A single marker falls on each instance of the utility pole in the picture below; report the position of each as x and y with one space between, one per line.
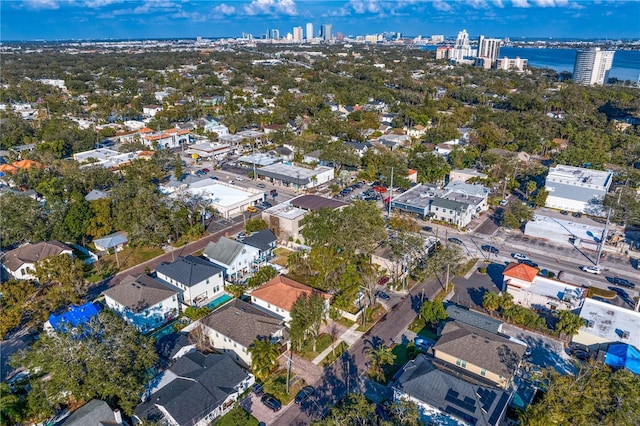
390 194
289 362
253 156
603 238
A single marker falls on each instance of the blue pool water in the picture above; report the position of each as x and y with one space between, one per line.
219 301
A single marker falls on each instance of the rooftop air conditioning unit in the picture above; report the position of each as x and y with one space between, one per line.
625 334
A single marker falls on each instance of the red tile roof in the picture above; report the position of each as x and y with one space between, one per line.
283 292
520 271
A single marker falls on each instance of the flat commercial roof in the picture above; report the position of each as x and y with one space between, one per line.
260 159
579 176
609 322
290 173
565 227
220 194
316 202
418 196
286 211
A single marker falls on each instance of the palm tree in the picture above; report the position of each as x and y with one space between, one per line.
264 357
379 357
491 301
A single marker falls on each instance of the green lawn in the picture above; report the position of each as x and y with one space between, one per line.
402 353
237 419
276 384
324 341
419 327
332 356
131 256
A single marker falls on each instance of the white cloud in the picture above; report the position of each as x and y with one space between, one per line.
271 7
41 4
520 3
545 3
477 4
498 3
366 6
442 6
224 9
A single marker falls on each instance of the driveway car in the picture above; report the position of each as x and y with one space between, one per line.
422 344
257 389
519 256
455 240
623 282
490 249
382 295
304 394
591 269
271 402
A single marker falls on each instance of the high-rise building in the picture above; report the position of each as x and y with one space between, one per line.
462 51
274 34
592 66
489 48
297 34
326 32
310 35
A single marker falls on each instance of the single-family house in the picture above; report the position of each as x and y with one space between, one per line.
444 399
540 293
172 346
20 262
265 241
197 280
95 412
236 258
285 153
151 110
360 148
73 317
196 390
144 302
416 131
463 175
312 157
116 241
95 194
280 293
477 356
235 326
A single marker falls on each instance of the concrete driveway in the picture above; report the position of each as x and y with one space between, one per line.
253 405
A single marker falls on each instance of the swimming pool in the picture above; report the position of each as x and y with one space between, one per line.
218 301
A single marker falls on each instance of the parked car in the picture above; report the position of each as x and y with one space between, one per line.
623 282
252 209
261 185
257 389
427 228
564 212
455 240
201 172
490 249
579 353
204 169
239 178
591 269
382 295
503 202
576 214
271 402
529 263
213 177
304 394
266 204
519 256
422 344
383 280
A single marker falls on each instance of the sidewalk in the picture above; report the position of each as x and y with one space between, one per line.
350 337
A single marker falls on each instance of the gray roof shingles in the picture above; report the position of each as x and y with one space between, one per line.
261 240
478 347
189 270
32 253
242 323
224 251
478 405
139 293
203 383
476 319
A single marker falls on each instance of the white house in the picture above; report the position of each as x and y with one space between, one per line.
151 110
280 293
170 138
143 302
117 241
236 258
234 327
20 262
198 280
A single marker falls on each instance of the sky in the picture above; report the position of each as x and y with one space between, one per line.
138 19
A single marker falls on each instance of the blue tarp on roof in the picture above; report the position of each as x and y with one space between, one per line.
623 355
74 316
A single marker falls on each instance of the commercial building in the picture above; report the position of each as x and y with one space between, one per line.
565 231
577 189
310 35
592 66
297 34
489 49
326 32
606 323
295 177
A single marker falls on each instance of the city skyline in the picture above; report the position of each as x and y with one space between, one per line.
126 19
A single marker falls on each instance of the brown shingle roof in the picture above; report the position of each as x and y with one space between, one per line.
485 350
283 292
242 322
32 253
139 293
520 271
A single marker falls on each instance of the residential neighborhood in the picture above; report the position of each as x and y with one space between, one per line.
246 232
